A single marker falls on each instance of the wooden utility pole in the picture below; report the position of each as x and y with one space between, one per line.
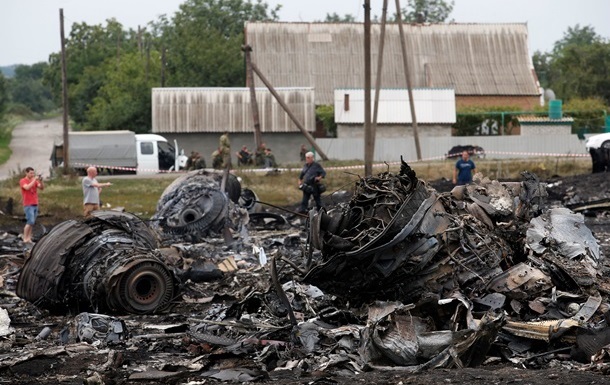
258 137
403 46
369 140
379 69
277 97
64 93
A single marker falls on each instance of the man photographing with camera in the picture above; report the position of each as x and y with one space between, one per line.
29 193
309 182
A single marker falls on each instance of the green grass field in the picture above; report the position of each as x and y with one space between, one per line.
62 197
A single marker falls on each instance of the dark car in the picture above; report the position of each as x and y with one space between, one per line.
474 151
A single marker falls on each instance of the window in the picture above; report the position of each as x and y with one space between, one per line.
146 148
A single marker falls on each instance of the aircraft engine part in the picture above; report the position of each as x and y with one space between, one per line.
249 200
195 205
397 238
106 263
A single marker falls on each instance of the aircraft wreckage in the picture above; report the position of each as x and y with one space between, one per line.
109 262
399 276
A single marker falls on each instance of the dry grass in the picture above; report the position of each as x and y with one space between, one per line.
62 199
281 189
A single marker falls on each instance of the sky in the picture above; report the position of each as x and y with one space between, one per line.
30 29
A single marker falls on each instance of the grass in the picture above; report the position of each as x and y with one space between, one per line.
62 197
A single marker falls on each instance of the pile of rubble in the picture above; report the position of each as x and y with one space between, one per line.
400 277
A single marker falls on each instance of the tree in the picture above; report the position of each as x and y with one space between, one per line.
87 49
27 88
588 114
205 38
576 36
3 96
123 101
335 18
578 66
426 11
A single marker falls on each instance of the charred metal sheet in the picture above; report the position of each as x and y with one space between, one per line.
194 206
404 336
521 282
561 238
98 264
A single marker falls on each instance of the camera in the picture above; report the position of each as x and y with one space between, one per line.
39 176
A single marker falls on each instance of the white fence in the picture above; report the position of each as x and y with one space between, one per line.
496 147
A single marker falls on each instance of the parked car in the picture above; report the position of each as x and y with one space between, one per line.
598 147
474 151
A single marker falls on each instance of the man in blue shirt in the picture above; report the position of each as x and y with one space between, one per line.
464 169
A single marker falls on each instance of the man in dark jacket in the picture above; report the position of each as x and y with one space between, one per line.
309 182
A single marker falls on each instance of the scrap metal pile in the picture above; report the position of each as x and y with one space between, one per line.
401 276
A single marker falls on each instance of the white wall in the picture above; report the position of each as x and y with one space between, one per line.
501 147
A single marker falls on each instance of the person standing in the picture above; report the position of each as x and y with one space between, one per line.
309 182
302 153
29 193
464 169
217 159
225 148
91 191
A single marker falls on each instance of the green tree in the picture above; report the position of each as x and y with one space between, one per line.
27 88
123 102
335 18
4 96
578 66
542 66
576 36
428 11
588 114
326 114
88 47
204 41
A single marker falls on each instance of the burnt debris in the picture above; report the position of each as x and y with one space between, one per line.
400 277
106 263
199 204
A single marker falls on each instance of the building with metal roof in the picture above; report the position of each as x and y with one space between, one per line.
196 117
434 112
486 64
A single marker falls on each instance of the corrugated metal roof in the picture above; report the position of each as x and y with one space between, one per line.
431 106
473 59
191 110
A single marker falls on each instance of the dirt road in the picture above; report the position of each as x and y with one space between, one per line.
32 144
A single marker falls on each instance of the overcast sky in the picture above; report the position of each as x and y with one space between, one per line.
29 29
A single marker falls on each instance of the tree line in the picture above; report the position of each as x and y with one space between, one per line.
111 69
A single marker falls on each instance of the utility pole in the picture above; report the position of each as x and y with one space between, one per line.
379 69
277 97
403 46
64 93
258 137
369 140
